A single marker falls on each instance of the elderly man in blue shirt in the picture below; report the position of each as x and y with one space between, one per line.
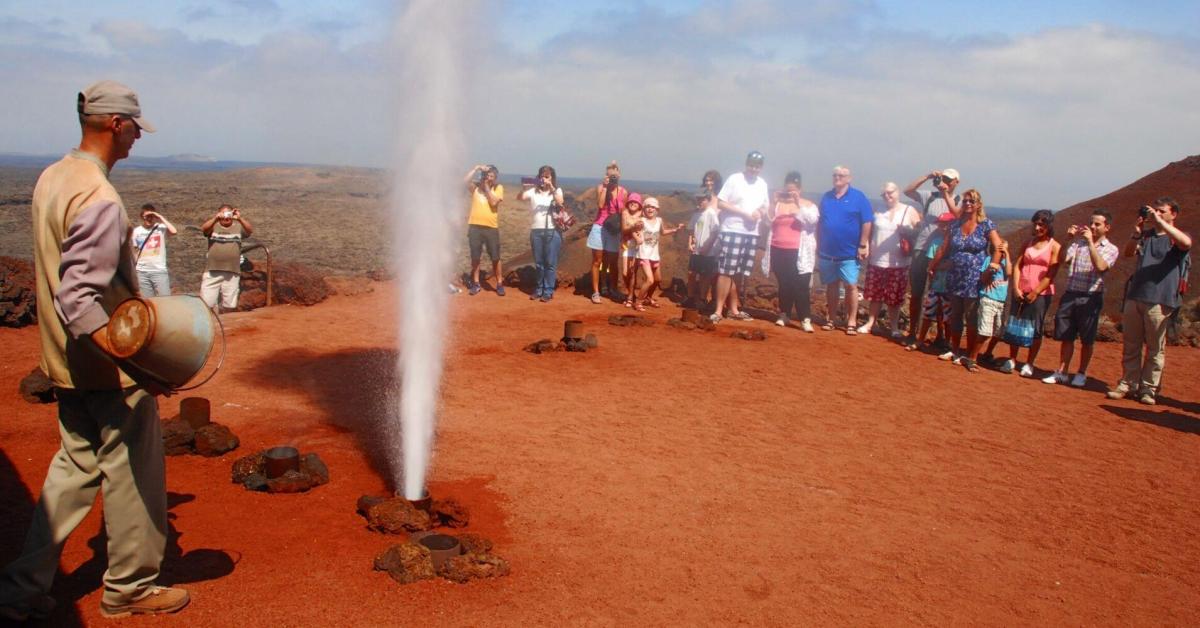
843 242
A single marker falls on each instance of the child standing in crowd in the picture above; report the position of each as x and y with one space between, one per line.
703 230
991 304
936 307
1078 316
1033 277
631 237
647 250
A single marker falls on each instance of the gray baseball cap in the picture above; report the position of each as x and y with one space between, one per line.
111 97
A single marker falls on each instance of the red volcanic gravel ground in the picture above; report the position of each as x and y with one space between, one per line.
668 478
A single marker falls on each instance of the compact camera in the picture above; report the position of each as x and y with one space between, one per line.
1144 211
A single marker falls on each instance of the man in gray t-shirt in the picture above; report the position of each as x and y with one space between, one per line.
933 203
221 282
1151 298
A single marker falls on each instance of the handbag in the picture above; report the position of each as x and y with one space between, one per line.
906 243
1019 331
563 219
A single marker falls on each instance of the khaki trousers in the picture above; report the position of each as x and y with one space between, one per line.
111 443
1144 325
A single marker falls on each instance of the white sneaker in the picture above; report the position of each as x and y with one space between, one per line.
1026 371
947 356
782 321
864 329
1053 378
1079 381
806 325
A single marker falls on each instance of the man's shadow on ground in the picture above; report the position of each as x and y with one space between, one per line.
1160 417
356 389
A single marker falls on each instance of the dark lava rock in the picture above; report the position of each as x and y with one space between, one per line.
254 464
678 323
406 563
36 387
474 543
255 482
18 292
706 324
397 516
178 437
292 283
467 567
1107 330
448 512
575 345
748 334
627 320
545 345
312 466
250 471
214 439
366 501
290 482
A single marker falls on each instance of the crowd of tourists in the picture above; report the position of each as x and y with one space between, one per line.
968 290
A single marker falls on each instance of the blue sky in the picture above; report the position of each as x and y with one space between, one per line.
1038 104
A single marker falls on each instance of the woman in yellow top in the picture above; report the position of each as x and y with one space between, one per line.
483 225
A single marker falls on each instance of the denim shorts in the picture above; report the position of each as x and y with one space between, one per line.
838 270
601 240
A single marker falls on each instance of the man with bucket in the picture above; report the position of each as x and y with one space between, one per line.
108 423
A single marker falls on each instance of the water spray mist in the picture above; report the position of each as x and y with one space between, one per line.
426 208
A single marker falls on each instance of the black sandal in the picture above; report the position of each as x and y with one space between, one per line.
970 365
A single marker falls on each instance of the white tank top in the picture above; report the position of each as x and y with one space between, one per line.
652 227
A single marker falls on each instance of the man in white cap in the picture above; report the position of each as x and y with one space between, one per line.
108 422
934 203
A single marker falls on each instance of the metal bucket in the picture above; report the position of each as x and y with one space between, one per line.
168 338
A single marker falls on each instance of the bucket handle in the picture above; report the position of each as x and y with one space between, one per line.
220 362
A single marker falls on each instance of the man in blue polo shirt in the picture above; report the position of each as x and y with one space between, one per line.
843 237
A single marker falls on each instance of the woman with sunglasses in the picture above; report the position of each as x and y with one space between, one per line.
1033 282
966 247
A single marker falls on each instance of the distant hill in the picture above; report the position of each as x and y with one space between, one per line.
1180 180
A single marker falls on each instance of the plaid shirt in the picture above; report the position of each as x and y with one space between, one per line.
1082 276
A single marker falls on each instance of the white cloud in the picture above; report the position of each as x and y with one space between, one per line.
1045 119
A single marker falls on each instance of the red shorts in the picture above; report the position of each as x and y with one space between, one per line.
886 284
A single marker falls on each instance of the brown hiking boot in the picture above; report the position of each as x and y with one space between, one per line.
153 601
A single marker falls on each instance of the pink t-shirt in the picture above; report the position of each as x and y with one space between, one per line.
1033 270
785 233
615 202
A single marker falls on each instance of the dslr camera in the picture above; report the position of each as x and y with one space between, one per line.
1144 211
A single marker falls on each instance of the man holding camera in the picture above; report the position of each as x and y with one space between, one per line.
111 441
935 203
150 239
222 278
1153 294
483 223
1088 258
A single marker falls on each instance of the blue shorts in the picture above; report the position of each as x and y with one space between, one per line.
601 240
838 270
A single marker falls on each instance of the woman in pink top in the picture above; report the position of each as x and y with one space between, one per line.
1033 279
605 237
793 242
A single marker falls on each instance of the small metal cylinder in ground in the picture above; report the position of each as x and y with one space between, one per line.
280 460
573 330
442 547
195 411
